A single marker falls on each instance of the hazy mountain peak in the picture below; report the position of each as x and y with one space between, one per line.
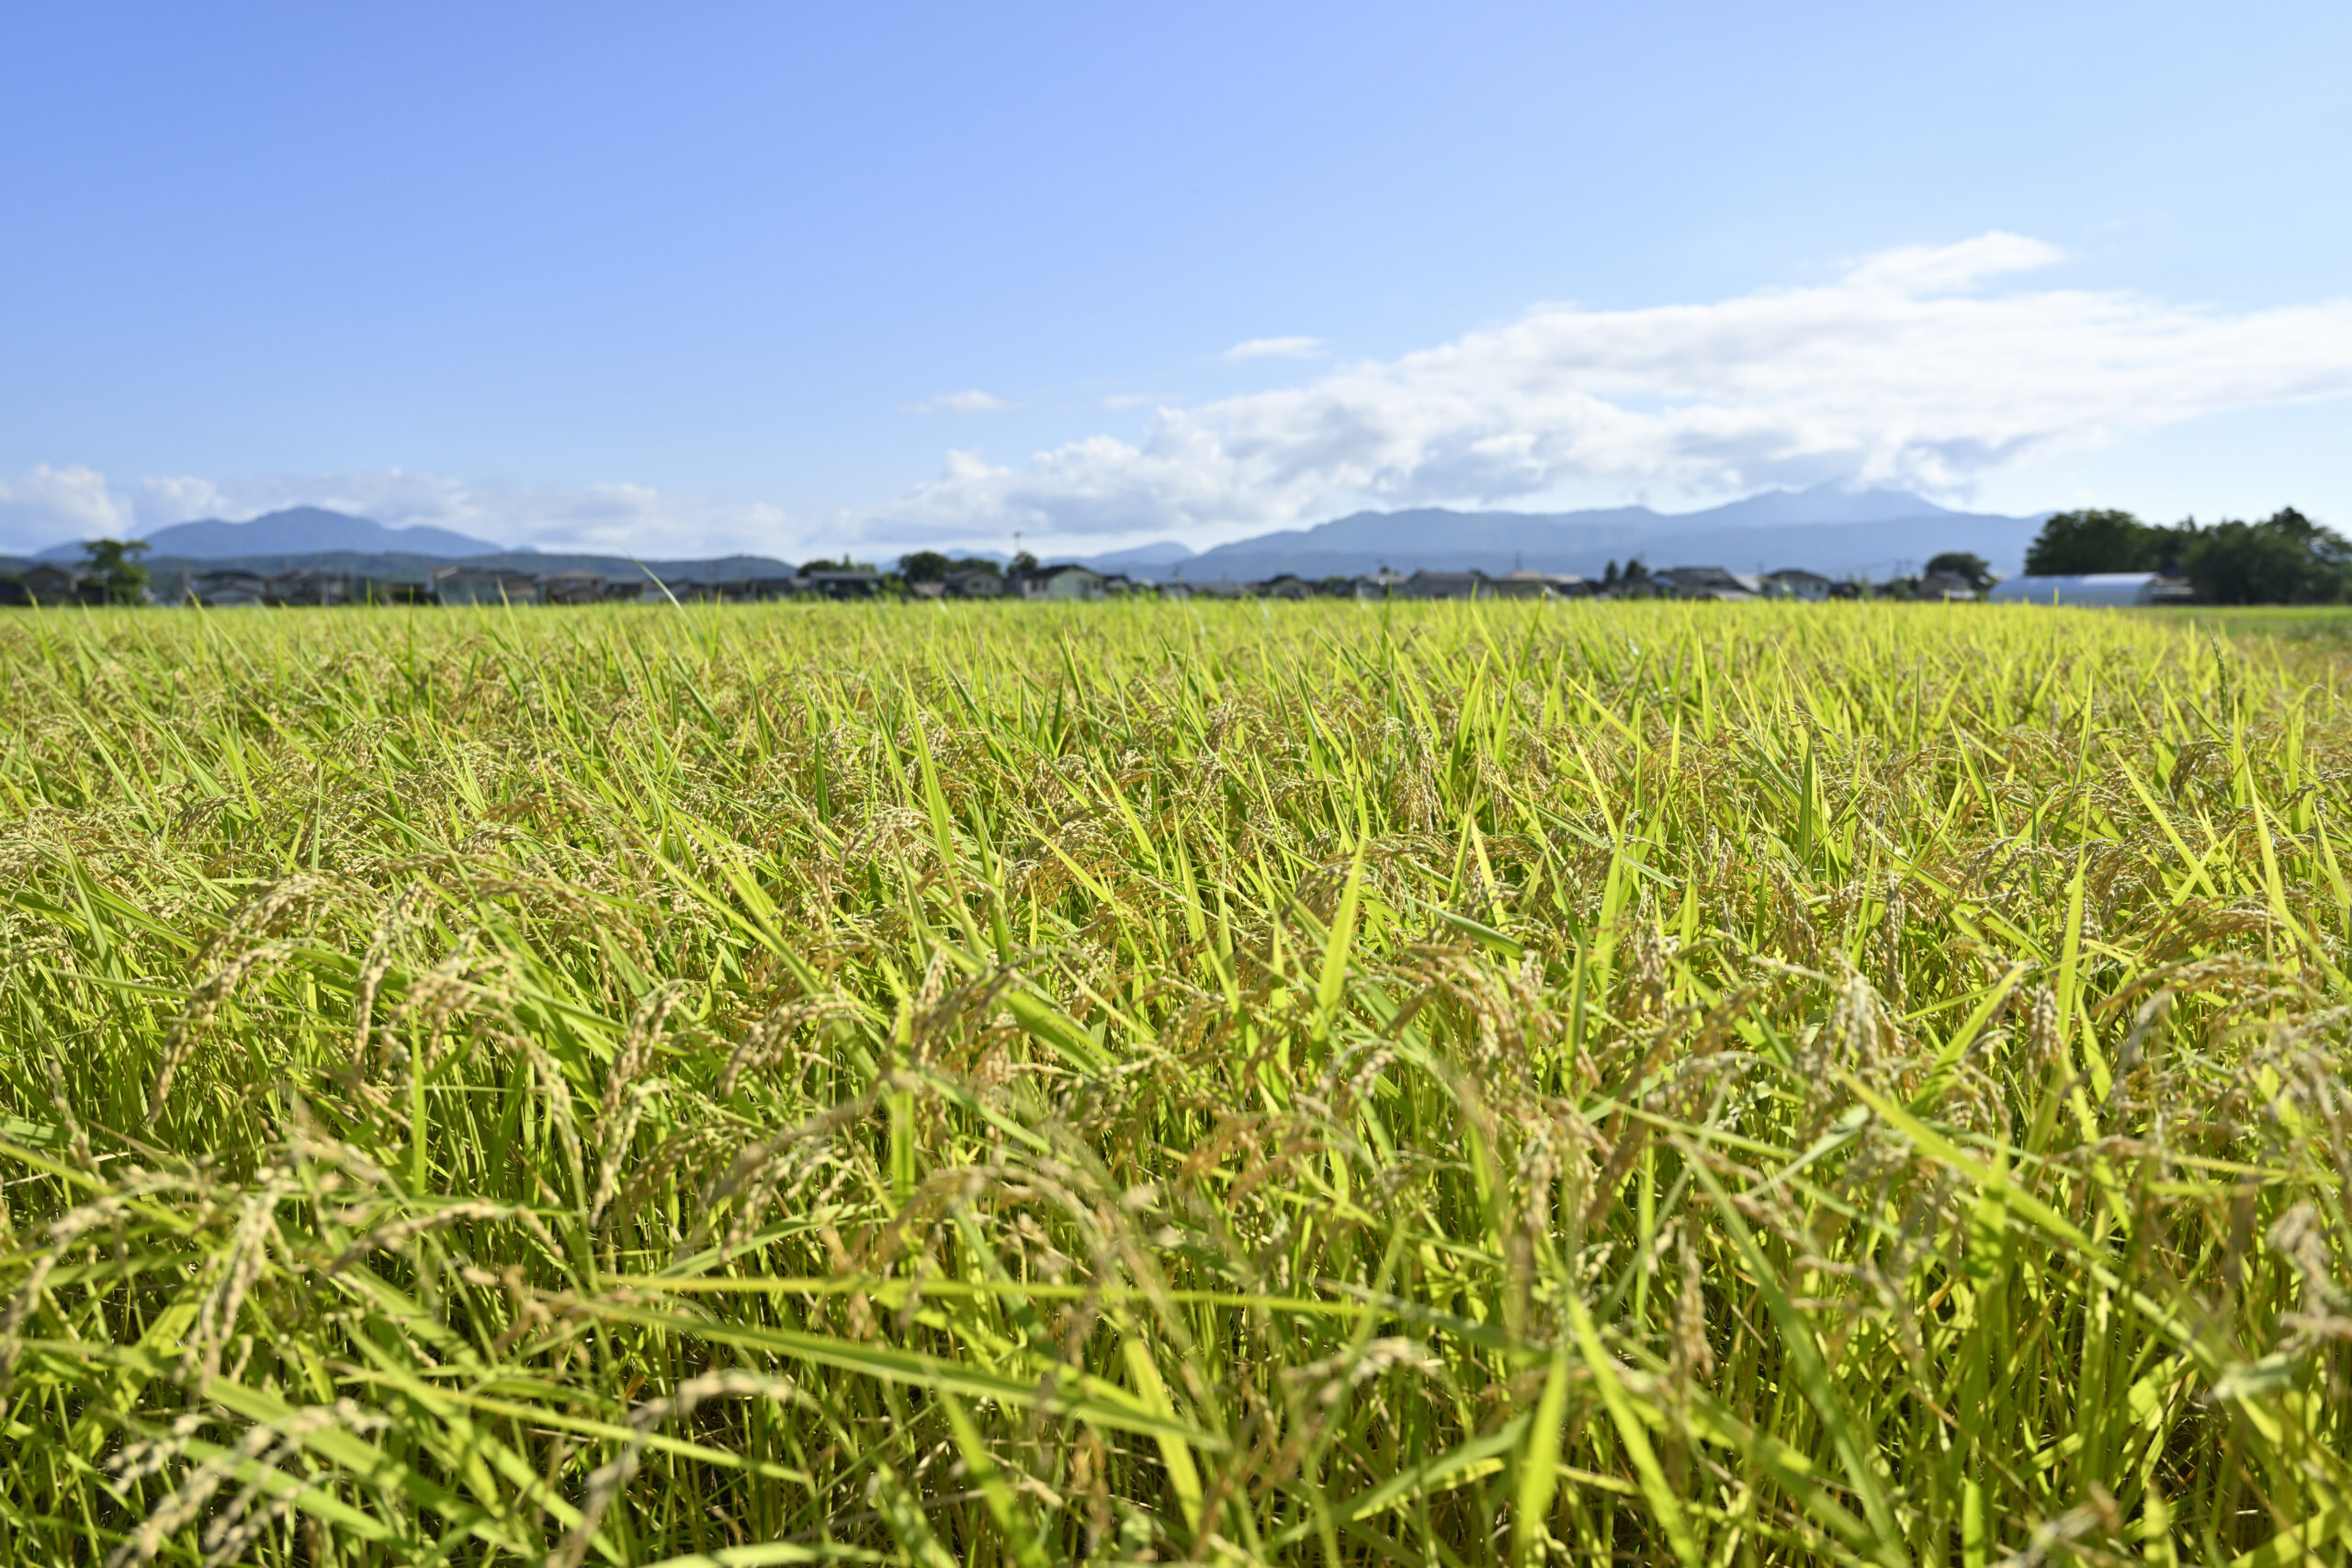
1825 529
1138 558
298 530
1821 503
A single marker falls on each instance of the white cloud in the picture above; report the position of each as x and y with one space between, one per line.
1918 269
1276 348
1910 369
973 401
1932 367
158 501
49 507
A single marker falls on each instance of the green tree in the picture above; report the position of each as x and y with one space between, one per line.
108 564
924 566
1973 569
2101 540
2286 559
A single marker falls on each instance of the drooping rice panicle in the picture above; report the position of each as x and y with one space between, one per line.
1318 1083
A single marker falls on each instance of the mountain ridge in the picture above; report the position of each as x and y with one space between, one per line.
396 566
1823 529
1877 550
294 530
1830 532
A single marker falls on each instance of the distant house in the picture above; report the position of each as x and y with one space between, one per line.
1945 585
1220 589
1180 588
843 583
1285 586
11 591
1067 580
973 584
483 585
1796 582
711 591
2091 588
655 590
47 584
706 591
735 590
228 588
167 581
306 587
1707 583
1443 585
371 588
580 587
1536 586
1379 585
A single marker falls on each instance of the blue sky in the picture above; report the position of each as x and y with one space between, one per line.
794 278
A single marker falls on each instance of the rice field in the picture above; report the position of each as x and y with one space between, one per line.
1322 1084
2328 626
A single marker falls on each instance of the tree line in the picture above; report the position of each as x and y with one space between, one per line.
2286 559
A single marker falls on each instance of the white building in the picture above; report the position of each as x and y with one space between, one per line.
2091 588
1065 581
1522 585
1796 582
224 587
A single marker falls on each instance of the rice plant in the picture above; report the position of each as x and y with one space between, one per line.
1332 1084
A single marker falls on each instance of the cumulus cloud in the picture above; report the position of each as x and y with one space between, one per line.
176 499
973 401
1276 348
1929 367
1924 367
49 505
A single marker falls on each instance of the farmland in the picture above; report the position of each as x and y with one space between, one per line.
1314 1083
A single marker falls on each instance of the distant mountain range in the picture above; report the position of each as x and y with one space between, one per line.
300 530
1148 559
1834 531
398 567
1824 530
